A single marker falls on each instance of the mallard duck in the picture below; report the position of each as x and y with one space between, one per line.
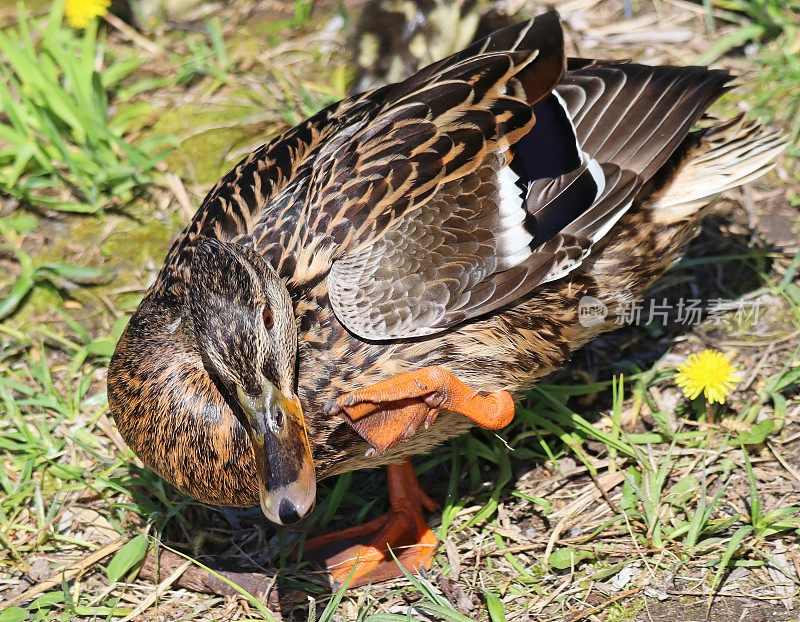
391 271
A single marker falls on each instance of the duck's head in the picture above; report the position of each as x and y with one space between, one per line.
243 320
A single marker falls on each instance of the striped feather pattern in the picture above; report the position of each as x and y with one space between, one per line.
590 146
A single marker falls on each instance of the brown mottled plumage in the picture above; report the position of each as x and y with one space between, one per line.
391 221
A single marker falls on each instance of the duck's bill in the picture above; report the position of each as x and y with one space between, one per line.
283 454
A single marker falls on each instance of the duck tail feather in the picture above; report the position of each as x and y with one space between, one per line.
711 161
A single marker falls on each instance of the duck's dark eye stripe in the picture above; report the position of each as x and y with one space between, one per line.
268 320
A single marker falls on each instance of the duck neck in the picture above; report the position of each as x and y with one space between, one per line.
171 413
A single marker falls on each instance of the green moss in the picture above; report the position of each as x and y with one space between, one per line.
133 244
628 611
124 253
202 155
41 300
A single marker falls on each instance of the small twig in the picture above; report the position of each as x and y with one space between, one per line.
758 367
761 344
789 468
566 583
65 573
639 550
160 589
513 549
505 533
553 537
604 494
477 563
130 34
181 196
224 572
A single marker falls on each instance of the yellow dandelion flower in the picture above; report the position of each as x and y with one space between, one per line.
80 13
710 373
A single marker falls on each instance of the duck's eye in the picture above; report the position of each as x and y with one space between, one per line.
269 322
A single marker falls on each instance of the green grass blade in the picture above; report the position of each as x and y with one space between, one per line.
127 557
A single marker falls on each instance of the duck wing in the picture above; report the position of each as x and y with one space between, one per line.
476 181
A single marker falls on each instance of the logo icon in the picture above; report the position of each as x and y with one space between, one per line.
591 311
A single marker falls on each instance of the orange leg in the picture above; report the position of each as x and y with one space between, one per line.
403 529
389 411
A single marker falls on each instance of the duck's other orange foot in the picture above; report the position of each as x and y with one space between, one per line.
364 549
392 410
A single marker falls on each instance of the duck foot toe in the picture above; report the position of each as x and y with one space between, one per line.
394 409
364 550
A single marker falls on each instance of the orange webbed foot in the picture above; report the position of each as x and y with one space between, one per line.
364 549
392 410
